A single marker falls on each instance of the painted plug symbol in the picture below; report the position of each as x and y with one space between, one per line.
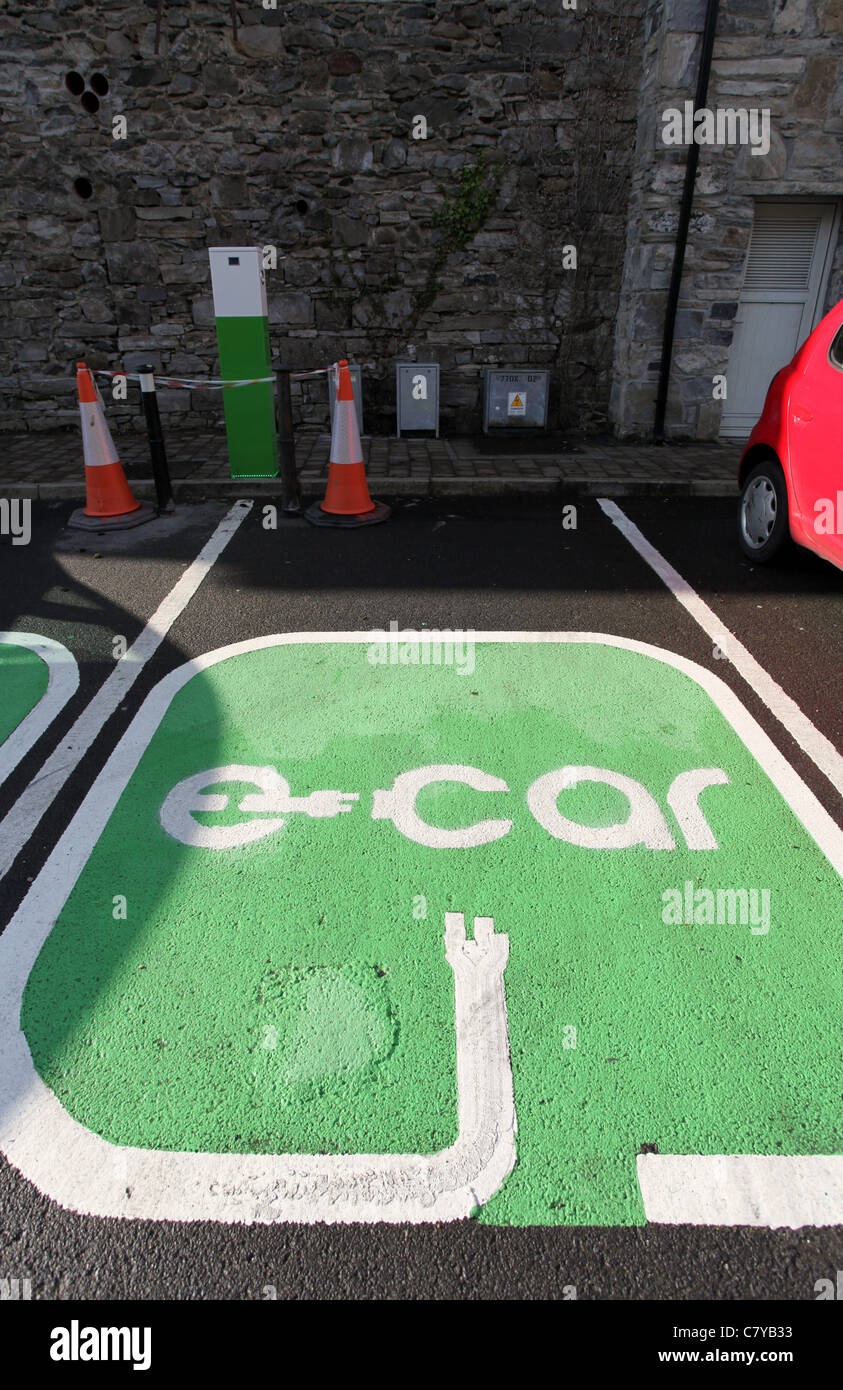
177 813
317 804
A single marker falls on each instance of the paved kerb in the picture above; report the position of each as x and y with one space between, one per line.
255 978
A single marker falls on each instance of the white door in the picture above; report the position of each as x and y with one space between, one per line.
780 303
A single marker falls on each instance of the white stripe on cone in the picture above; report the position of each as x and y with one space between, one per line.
345 444
97 444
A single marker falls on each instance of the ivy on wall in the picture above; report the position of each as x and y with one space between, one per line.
457 222
463 213
589 211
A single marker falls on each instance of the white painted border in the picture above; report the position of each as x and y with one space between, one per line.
742 1189
35 800
819 749
62 682
43 1140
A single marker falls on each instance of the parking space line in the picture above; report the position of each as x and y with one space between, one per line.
819 749
34 802
62 682
742 1189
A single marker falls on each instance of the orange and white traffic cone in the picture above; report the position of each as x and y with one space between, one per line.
347 501
110 505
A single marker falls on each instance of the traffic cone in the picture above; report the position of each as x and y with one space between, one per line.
109 504
347 501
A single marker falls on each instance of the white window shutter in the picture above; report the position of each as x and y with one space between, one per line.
782 248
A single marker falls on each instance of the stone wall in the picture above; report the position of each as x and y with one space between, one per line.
786 55
296 133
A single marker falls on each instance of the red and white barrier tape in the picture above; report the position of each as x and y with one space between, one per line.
209 383
188 383
320 371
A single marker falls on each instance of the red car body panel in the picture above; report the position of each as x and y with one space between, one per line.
802 424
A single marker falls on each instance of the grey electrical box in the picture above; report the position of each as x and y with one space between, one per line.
357 388
417 396
514 400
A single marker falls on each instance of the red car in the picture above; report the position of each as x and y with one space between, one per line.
791 471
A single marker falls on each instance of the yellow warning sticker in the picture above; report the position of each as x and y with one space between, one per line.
517 403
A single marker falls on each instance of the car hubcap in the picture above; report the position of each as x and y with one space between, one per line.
758 514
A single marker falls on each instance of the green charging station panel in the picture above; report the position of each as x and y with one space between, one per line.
242 319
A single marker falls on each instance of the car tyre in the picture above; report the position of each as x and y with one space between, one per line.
763 527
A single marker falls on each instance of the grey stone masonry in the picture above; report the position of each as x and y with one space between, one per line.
783 55
297 132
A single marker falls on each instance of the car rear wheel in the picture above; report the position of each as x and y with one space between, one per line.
762 512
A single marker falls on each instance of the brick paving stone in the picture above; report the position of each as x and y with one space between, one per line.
51 463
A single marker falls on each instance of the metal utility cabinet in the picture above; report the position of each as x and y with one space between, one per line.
417 396
514 400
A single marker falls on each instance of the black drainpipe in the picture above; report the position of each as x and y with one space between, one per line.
684 223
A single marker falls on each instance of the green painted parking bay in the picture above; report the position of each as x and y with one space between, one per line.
252 960
37 677
23 676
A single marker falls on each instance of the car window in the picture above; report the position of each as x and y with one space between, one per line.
835 352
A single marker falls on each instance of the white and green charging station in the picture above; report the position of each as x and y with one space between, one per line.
242 317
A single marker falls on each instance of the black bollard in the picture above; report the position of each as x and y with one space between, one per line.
290 499
157 452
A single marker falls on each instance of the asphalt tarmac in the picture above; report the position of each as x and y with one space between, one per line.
494 564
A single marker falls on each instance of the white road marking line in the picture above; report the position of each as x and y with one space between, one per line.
75 1167
62 682
741 1189
819 749
33 803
